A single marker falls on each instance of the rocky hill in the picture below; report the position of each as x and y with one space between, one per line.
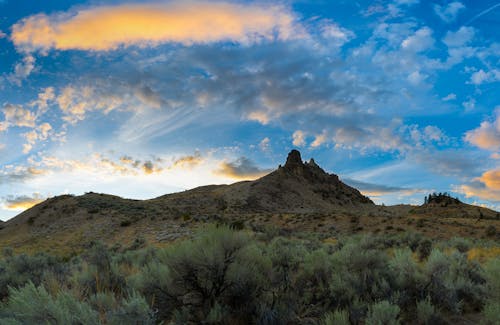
298 196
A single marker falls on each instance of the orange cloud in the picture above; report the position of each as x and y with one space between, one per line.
188 162
487 135
22 202
486 187
109 27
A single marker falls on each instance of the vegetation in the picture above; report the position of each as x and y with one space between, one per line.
231 276
441 199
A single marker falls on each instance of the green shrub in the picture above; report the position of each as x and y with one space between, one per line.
426 313
491 313
383 313
338 317
34 305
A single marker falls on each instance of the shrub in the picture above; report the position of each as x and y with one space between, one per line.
125 223
34 305
491 231
426 312
491 313
424 249
338 317
383 313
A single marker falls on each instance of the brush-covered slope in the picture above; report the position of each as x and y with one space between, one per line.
297 196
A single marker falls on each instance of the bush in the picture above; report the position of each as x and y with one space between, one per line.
383 313
491 314
338 317
34 305
426 312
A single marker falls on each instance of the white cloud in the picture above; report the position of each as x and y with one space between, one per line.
265 144
449 12
416 77
481 76
299 138
75 102
420 41
450 96
16 115
22 70
469 104
461 37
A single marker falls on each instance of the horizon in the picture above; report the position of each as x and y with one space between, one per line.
142 99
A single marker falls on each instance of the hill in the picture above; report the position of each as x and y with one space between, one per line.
297 196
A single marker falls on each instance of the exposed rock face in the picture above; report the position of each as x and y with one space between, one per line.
293 160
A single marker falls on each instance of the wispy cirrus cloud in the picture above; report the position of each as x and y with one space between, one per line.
103 28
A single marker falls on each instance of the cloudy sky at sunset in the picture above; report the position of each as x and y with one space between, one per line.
142 98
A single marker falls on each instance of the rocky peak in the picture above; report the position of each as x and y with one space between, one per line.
293 160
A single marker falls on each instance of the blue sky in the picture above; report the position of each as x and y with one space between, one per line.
140 99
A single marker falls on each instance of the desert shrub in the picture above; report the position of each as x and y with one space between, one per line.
313 279
408 279
125 223
219 267
491 313
424 249
383 313
17 270
133 310
491 274
437 268
99 272
461 244
338 317
34 305
491 231
426 313
360 273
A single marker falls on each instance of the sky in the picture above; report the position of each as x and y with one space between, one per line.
142 98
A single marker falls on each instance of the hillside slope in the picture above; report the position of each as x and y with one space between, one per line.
297 196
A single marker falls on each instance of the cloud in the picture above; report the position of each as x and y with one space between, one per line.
461 37
188 162
16 115
319 140
299 138
10 174
103 28
2 34
265 144
372 189
148 97
22 202
22 70
45 97
487 135
41 133
480 77
420 41
259 116
450 96
449 12
242 169
76 102
486 187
